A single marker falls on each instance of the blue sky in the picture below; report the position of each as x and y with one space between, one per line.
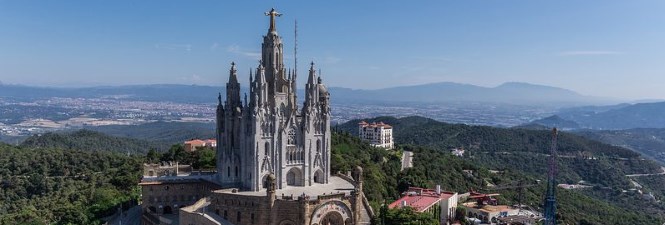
613 48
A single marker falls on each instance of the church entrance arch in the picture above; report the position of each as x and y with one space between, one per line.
332 213
332 218
294 177
318 177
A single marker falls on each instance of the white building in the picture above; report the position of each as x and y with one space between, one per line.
377 134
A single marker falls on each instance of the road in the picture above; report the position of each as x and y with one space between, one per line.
648 174
407 160
129 217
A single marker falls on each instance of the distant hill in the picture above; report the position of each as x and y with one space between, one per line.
513 93
558 122
649 142
87 140
167 132
613 117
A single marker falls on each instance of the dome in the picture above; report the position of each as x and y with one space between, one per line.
323 89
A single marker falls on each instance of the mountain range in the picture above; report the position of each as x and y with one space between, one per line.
612 117
512 93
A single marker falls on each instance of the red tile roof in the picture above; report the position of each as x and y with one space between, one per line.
419 203
375 124
420 199
195 142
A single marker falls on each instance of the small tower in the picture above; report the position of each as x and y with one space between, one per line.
357 193
550 199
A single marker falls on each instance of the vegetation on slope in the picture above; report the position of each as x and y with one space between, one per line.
649 142
522 155
87 140
167 132
64 186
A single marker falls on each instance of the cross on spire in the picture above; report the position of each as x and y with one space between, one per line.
273 13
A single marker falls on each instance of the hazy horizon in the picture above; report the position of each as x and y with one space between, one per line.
596 48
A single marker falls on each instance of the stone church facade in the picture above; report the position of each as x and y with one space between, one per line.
270 133
273 158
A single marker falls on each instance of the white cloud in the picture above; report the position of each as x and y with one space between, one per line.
237 50
592 52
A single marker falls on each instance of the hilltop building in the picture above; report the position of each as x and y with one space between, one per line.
429 201
377 134
192 145
486 209
273 158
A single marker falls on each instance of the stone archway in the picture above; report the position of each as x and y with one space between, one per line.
318 177
332 213
332 218
287 222
294 177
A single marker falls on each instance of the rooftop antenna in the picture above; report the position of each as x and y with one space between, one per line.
550 198
295 49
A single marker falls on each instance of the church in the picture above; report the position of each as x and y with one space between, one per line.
273 158
269 133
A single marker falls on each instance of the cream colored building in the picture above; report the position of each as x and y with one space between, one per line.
377 134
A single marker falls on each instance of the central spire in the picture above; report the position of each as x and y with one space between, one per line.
273 13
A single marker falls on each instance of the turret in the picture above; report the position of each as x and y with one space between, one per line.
233 89
311 89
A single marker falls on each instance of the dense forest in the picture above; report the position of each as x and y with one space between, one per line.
64 186
648 141
168 132
87 140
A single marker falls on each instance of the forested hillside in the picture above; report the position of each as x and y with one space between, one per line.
43 184
87 140
64 186
522 154
648 141
168 132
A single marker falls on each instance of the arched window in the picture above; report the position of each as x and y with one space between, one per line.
228 171
236 171
318 145
267 148
238 218
291 139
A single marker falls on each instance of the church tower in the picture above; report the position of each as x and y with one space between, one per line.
269 135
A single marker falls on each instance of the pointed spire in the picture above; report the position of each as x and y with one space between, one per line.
219 98
289 74
312 74
233 77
